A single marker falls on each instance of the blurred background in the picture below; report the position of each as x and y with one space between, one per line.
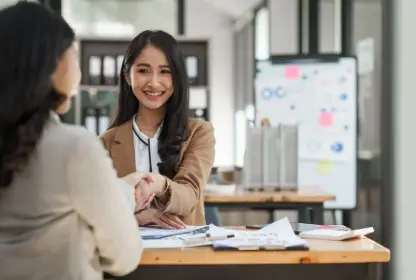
223 40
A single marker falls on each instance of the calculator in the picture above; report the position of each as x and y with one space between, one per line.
335 235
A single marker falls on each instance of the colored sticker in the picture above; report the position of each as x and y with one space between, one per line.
324 167
326 118
292 72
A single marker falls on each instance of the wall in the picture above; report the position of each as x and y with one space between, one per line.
119 18
204 21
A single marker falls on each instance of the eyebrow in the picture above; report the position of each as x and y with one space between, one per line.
148 65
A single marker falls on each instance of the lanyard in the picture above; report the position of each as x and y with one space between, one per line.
148 147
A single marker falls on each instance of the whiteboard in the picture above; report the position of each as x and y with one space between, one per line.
319 94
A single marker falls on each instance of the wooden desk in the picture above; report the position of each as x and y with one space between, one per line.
356 259
303 200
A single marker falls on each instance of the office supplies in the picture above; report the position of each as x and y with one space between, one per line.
301 227
103 119
192 67
318 94
276 236
90 120
271 153
253 159
120 60
336 235
109 70
94 70
157 233
288 166
206 237
270 161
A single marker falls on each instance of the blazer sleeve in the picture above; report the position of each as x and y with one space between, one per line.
187 186
99 197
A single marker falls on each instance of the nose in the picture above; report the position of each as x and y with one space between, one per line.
154 80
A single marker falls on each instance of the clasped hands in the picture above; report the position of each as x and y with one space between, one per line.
147 186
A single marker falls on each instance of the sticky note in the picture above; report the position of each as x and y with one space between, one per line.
292 72
324 167
326 118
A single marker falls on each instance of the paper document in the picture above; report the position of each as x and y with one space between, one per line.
171 243
157 233
278 235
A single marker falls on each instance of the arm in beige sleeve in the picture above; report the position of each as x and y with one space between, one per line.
100 199
188 184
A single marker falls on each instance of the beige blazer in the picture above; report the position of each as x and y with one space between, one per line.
196 160
66 215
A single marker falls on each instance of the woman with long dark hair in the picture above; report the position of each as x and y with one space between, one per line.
64 214
152 132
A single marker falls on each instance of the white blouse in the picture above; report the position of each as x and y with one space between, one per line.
145 149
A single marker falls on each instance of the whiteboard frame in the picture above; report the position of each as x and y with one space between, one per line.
302 59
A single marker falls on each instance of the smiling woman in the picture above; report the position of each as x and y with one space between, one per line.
152 131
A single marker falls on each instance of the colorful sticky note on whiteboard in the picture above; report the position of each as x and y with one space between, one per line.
292 72
326 118
324 167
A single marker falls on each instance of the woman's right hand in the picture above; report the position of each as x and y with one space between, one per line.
143 193
154 216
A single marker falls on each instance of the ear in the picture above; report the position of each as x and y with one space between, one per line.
127 77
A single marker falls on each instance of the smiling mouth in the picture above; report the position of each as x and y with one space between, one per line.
154 93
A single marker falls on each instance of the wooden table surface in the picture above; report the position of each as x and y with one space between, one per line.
302 195
360 250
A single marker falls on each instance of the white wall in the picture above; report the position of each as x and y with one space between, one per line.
205 21
119 18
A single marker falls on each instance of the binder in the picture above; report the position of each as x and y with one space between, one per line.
192 69
109 70
271 158
120 60
253 159
94 70
288 157
90 120
103 120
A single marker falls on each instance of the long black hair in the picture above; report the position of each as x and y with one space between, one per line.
34 38
175 122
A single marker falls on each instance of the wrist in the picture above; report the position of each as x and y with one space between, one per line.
161 185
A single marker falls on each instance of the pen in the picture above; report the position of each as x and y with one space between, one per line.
218 237
208 237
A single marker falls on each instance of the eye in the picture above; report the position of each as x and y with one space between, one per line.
165 71
143 70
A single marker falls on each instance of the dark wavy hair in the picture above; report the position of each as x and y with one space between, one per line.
34 38
175 123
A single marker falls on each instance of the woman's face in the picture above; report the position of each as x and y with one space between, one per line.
67 77
150 78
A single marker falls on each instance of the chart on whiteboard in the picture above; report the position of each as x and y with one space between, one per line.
321 98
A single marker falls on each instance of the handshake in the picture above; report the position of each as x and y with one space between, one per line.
144 189
147 186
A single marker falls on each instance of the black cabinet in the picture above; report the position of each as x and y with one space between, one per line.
101 62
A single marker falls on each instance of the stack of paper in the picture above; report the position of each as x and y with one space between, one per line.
276 236
157 233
